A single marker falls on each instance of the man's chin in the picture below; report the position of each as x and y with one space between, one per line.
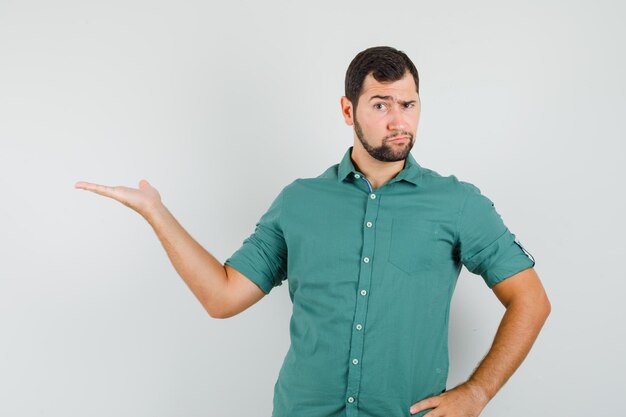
394 156
399 154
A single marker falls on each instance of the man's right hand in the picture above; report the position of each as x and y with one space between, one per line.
143 200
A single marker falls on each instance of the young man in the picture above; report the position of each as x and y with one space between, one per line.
372 249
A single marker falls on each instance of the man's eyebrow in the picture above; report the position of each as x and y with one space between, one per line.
391 98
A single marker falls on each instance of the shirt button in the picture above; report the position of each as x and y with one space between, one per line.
366 259
355 361
350 399
359 327
372 196
357 176
369 224
363 292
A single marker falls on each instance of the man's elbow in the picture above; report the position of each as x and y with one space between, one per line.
541 300
218 305
538 304
215 311
547 306
213 316
220 314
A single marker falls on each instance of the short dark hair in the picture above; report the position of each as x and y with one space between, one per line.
384 62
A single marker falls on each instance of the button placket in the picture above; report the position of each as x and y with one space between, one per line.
362 288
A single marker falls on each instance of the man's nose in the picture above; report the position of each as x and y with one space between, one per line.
396 120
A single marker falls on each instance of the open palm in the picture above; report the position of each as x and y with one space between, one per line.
142 199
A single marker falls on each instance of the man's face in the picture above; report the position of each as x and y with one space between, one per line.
385 112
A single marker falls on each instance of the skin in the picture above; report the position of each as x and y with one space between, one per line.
224 292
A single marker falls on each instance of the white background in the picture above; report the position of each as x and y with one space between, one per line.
220 106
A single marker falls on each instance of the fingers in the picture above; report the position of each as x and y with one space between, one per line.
425 404
104 190
141 200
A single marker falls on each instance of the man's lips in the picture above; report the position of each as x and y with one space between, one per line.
399 139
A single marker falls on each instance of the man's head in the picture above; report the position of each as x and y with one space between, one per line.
382 102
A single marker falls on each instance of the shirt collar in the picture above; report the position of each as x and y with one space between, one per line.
411 172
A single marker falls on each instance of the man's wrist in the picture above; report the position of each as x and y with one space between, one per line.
479 391
154 211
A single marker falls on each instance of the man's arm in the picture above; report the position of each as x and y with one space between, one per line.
222 291
527 308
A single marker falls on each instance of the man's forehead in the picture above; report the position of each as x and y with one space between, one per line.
401 89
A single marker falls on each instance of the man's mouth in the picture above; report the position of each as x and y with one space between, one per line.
400 139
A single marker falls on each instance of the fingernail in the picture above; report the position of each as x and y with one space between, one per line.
412 410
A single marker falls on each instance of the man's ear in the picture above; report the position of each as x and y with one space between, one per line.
346 110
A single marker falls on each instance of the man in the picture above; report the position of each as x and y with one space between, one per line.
372 249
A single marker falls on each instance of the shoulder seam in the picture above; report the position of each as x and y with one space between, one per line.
458 220
281 203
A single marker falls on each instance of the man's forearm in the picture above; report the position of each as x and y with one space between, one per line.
201 271
516 334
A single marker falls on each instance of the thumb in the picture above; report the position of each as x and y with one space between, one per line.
143 184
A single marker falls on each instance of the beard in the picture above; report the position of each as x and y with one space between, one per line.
387 152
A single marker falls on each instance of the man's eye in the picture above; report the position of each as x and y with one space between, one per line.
409 105
378 106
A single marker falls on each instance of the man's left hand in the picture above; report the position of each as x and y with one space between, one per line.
464 400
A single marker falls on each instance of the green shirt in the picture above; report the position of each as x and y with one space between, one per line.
371 274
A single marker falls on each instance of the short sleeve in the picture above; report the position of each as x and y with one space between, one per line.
262 257
486 245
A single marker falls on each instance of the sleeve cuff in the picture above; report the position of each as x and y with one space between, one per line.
500 260
252 274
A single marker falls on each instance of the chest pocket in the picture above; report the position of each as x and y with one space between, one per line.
411 244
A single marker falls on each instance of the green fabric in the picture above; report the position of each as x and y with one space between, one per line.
371 276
